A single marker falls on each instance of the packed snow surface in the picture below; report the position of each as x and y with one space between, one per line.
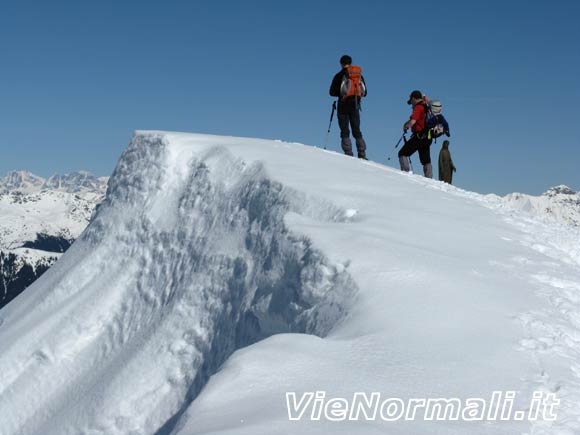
328 273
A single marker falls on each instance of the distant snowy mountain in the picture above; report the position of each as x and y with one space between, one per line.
558 204
39 220
77 182
222 274
20 181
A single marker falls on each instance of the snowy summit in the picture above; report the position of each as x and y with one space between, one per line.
230 286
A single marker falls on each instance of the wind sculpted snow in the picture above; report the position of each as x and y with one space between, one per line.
187 260
221 273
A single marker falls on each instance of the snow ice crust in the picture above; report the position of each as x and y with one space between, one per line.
206 244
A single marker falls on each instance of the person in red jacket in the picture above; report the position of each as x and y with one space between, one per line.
419 140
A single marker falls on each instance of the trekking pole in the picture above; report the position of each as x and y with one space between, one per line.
396 146
330 123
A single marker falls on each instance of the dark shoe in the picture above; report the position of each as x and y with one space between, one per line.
362 157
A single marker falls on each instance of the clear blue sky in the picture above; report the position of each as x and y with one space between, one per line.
79 77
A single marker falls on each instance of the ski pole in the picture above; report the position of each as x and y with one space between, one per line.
330 123
396 146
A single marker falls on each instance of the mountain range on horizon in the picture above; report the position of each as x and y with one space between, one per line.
23 181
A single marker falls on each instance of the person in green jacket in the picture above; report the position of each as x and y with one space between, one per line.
446 166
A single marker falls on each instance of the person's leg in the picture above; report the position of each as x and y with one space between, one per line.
425 157
361 146
346 145
345 142
406 151
404 162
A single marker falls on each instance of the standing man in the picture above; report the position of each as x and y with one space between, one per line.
446 166
419 140
349 86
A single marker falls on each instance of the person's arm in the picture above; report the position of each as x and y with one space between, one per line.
365 85
418 111
446 126
335 85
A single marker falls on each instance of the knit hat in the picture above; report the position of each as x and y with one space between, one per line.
436 107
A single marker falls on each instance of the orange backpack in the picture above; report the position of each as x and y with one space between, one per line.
352 85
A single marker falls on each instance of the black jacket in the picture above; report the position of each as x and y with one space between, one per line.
335 89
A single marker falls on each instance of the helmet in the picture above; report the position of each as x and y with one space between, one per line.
436 107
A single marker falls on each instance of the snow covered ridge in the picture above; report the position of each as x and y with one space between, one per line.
221 273
558 204
187 259
44 216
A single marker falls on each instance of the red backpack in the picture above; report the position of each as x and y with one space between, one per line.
352 84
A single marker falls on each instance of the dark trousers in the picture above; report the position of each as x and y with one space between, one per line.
349 114
416 144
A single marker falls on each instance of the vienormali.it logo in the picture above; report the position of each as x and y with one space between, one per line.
317 406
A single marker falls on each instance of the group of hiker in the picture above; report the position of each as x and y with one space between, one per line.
426 122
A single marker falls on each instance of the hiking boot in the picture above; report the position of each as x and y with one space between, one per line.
346 145
428 170
361 148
